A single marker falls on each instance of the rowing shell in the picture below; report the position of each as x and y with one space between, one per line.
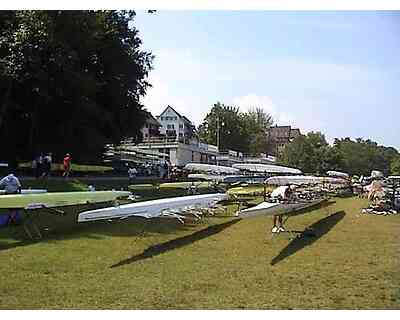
276 209
210 168
265 168
27 191
59 199
170 207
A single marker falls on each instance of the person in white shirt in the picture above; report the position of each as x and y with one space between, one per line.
280 194
132 174
11 184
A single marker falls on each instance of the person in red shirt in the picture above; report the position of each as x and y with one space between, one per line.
67 165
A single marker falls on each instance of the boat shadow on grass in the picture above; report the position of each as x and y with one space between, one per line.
309 236
177 243
318 206
54 228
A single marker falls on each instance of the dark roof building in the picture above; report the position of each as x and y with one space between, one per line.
280 136
151 128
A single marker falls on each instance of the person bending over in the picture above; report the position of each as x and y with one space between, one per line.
11 185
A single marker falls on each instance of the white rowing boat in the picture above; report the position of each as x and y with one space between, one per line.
276 209
227 178
210 168
266 168
28 191
168 207
338 174
285 180
206 177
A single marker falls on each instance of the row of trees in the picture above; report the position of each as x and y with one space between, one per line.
70 81
230 128
247 132
311 153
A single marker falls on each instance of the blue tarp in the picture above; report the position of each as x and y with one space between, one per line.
4 218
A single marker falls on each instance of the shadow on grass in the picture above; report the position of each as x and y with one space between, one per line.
177 243
321 205
54 228
318 229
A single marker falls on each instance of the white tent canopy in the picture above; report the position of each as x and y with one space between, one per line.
266 168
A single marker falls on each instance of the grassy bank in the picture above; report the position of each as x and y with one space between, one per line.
222 263
74 167
55 185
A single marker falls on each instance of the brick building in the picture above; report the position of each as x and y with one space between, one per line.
279 137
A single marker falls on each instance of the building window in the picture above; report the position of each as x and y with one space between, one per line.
175 118
180 126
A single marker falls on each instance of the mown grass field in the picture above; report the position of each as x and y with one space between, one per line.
74 167
352 262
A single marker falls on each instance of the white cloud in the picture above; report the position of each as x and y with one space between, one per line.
159 96
252 101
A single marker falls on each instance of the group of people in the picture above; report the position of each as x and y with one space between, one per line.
163 170
42 165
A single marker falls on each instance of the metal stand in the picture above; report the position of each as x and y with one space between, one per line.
30 226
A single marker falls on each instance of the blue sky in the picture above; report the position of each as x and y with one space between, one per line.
334 72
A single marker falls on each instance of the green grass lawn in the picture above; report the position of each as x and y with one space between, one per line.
55 185
221 263
74 167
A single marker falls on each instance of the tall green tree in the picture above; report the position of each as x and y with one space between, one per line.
362 156
256 123
312 154
395 166
240 131
71 80
222 126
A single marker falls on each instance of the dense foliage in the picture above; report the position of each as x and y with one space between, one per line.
363 156
313 154
70 81
239 131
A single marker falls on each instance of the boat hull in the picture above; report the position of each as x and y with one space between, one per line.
277 209
154 208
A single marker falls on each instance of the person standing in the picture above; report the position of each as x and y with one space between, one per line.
166 170
39 166
132 174
67 165
34 166
161 170
46 165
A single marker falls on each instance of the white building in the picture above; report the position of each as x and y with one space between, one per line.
174 125
170 136
178 153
